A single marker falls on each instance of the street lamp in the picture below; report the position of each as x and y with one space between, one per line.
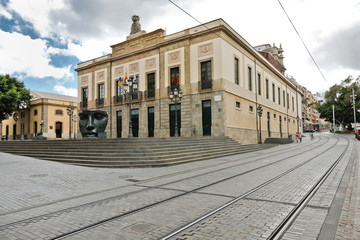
176 97
74 118
259 111
70 111
22 107
129 86
16 117
298 121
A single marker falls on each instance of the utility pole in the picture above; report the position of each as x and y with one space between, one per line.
334 118
353 96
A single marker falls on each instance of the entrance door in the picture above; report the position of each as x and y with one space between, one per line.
14 131
280 126
7 132
151 121
58 129
119 123
206 117
172 118
135 122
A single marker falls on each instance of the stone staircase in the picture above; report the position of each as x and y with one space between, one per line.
134 152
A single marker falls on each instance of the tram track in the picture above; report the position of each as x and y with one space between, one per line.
268 154
286 223
71 233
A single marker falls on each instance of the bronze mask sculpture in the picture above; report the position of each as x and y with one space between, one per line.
93 123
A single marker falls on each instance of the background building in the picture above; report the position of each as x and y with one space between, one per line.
44 107
223 80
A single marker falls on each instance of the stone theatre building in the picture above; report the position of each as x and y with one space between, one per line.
223 80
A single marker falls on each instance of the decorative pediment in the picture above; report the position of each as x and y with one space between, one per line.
174 57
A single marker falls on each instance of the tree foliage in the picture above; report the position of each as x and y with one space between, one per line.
12 92
341 97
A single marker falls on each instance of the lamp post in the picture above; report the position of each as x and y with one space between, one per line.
22 107
41 127
298 121
129 86
176 97
259 111
74 118
70 111
354 106
16 117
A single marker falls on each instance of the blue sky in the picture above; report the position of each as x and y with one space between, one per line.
42 41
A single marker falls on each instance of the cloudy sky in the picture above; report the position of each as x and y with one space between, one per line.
41 41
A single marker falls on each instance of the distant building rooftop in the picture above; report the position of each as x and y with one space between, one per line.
38 95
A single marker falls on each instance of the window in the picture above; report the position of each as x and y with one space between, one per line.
293 105
273 92
101 91
236 71
206 71
287 101
284 98
35 112
279 96
274 115
174 78
151 85
58 112
267 88
251 108
259 84
237 104
249 79
85 94
118 89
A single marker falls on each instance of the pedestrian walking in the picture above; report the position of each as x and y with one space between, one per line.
297 137
300 137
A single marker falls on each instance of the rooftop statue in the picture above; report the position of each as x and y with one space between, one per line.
93 123
135 27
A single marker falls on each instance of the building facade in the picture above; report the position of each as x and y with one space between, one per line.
46 109
223 80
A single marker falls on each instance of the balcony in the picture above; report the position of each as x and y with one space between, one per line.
118 99
83 104
99 101
204 85
134 96
149 93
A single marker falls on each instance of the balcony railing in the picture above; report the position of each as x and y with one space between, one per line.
136 95
118 99
149 93
99 101
83 104
203 85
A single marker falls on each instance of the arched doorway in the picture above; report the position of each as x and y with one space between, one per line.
58 129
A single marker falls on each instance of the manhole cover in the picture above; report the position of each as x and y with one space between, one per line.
38 175
140 227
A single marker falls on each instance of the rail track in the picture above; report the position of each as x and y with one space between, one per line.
316 144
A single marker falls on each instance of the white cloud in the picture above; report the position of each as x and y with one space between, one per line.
22 54
66 91
4 13
37 12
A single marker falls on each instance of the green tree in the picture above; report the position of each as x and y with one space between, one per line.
12 92
341 97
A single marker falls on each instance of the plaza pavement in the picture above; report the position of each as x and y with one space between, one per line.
28 185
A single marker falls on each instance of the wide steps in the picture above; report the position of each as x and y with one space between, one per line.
135 152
